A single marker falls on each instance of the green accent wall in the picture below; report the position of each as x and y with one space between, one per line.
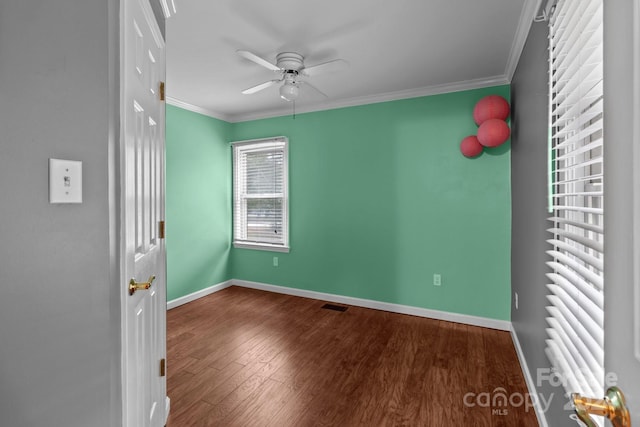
198 205
381 199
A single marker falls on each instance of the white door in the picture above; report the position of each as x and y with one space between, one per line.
622 197
142 204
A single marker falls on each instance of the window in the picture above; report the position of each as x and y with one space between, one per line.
260 194
575 334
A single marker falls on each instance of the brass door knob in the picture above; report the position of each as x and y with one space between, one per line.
136 286
613 406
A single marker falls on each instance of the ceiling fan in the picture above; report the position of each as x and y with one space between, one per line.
292 71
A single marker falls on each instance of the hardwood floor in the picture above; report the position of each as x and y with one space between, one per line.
242 357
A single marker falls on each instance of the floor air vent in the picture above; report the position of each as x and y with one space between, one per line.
335 307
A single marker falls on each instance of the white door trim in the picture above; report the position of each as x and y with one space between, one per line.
636 177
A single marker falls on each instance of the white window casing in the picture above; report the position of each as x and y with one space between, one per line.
260 194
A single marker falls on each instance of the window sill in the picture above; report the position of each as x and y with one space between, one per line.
261 247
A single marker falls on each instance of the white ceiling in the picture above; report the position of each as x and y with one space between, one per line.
395 49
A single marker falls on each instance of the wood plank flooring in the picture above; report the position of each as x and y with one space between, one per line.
242 357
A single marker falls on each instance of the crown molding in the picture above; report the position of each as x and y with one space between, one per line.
186 106
374 99
350 102
529 12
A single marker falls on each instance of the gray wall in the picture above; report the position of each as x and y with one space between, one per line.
529 98
59 313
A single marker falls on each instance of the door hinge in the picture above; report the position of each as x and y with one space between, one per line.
161 229
161 91
163 367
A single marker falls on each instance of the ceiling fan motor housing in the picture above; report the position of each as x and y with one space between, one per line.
289 61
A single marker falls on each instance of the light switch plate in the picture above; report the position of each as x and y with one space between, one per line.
65 181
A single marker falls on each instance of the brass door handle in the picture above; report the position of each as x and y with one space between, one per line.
613 406
136 286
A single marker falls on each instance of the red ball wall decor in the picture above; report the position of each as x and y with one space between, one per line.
493 132
471 147
490 107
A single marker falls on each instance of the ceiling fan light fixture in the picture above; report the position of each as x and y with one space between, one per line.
289 91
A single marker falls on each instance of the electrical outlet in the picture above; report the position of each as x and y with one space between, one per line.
437 280
516 298
275 261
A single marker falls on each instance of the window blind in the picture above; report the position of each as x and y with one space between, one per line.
260 192
575 343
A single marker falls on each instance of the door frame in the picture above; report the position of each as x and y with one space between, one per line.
636 177
117 379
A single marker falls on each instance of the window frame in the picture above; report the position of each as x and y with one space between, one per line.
257 145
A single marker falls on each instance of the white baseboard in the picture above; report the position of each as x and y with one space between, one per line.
167 408
531 385
198 294
502 325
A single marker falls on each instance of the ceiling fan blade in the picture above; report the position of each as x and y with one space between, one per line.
261 86
314 88
326 67
255 58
